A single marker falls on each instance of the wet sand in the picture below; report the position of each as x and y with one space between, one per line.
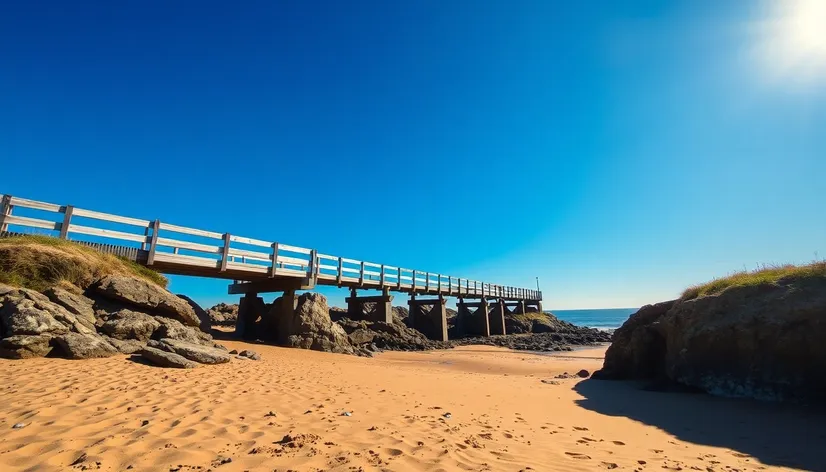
286 412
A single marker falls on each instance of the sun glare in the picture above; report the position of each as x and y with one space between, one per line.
791 42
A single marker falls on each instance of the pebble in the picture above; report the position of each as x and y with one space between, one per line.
346 413
19 425
447 416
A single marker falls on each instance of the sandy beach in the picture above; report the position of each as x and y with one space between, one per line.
287 412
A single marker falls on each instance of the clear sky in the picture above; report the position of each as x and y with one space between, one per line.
618 150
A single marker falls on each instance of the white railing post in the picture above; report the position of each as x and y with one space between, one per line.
67 219
5 210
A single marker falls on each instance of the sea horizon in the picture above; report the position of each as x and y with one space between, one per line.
600 318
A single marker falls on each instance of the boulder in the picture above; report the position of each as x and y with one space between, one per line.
166 359
250 355
25 347
125 346
310 327
27 316
78 305
146 295
84 346
192 351
206 324
173 329
386 336
127 324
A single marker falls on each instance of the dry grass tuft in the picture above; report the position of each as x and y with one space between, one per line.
764 275
39 262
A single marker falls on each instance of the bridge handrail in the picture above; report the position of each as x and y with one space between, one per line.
280 259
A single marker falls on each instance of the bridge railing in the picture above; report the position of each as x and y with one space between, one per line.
172 245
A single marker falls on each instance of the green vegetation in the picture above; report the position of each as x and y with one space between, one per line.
39 262
764 275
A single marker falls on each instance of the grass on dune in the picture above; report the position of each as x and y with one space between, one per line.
39 262
764 275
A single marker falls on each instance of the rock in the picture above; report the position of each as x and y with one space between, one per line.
233 351
147 295
173 329
203 316
761 341
638 347
80 306
126 346
362 336
250 355
583 374
223 314
166 359
310 327
25 347
192 351
84 346
19 426
128 324
26 312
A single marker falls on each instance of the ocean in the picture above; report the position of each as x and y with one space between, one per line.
609 318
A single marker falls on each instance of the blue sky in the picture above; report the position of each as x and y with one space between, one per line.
620 151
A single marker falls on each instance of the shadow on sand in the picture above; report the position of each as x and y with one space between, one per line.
778 435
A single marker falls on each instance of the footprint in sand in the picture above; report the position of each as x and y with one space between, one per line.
609 465
577 455
394 452
618 443
507 435
580 428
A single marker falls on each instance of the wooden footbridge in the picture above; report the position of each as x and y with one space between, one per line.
258 266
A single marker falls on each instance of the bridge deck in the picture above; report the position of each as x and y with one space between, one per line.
255 264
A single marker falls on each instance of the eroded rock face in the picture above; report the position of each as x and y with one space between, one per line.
127 324
148 296
125 346
163 358
84 346
638 347
194 352
310 327
766 342
386 336
173 329
25 347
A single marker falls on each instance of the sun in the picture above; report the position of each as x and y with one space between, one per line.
790 43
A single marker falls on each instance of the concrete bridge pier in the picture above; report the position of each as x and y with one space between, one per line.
496 319
431 322
476 322
256 320
383 311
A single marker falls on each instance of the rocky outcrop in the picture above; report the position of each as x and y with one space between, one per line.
205 322
25 347
84 346
147 297
223 314
764 341
166 359
117 315
378 336
194 352
310 327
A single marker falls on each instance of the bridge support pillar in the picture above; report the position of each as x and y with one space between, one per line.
497 317
520 307
382 306
250 309
473 322
429 316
